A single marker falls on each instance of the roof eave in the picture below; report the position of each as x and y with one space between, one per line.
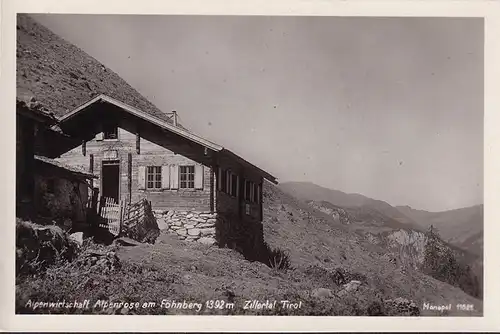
181 132
265 174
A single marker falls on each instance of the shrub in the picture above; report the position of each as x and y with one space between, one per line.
441 263
275 258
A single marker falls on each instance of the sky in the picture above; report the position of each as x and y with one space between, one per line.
391 108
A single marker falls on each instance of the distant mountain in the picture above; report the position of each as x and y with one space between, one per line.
461 227
307 191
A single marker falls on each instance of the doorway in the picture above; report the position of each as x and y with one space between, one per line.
110 176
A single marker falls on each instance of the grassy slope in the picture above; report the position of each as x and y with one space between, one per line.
173 269
313 238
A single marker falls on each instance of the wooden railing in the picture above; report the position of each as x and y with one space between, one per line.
122 218
111 214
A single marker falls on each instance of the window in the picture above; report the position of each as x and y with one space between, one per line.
153 177
251 191
234 185
110 131
227 189
186 177
248 190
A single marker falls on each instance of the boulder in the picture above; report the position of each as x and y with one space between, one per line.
162 224
322 293
349 288
207 241
188 226
352 285
182 232
77 238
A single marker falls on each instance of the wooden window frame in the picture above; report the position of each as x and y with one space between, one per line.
105 129
234 185
155 183
186 184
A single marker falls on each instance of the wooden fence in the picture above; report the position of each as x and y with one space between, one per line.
111 214
124 219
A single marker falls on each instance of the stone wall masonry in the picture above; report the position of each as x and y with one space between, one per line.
189 225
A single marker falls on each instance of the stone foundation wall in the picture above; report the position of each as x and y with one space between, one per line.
189 225
225 230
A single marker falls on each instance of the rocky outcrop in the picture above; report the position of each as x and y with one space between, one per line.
409 245
338 214
189 225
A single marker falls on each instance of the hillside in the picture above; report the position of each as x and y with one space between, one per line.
461 227
313 237
403 242
60 76
335 271
311 191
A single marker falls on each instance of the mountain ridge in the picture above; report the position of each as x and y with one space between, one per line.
461 227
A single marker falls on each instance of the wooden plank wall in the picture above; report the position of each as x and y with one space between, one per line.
151 154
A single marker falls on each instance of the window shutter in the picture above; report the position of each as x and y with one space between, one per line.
165 177
198 176
219 178
245 190
259 190
142 177
174 177
228 182
138 142
237 186
99 136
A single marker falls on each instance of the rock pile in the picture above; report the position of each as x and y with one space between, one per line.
189 225
402 307
349 288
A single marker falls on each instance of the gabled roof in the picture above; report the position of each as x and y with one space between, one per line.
70 169
164 125
136 112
